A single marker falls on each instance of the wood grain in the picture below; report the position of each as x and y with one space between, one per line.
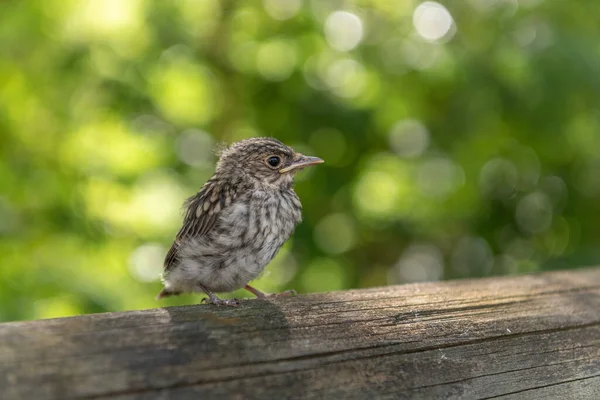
526 337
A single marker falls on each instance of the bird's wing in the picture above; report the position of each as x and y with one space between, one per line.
202 211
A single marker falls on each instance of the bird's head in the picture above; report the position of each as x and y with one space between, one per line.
266 160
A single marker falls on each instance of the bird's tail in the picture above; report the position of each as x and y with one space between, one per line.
166 293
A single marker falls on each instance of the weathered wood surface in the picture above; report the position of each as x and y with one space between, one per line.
528 337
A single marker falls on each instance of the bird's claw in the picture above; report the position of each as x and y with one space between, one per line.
221 302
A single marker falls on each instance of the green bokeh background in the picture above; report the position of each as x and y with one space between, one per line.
453 149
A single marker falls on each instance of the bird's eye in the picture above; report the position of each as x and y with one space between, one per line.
274 161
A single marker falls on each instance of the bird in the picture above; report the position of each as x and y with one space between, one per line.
238 221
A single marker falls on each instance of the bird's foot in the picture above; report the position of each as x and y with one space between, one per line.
221 302
213 299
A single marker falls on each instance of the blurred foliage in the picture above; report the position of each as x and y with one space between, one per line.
460 140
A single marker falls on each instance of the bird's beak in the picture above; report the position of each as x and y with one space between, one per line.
301 162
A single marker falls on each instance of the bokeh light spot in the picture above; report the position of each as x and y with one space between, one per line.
195 148
110 146
556 240
146 262
528 165
409 138
520 249
498 178
438 177
385 190
534 213
346 78
556 189
377 193
276 60
106 16
282 9
200 18
119 23
433 21
185 92
472 256
343 30
152 206
419 263
243 56
418 55
335 234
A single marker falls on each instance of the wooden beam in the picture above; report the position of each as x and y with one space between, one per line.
530 337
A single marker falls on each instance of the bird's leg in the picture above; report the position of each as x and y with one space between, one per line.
256 292
263 295
213 299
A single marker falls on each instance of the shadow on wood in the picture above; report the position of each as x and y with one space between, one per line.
535 336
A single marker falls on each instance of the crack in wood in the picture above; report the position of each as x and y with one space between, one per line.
542 387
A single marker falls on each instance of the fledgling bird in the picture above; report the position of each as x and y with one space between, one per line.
237 222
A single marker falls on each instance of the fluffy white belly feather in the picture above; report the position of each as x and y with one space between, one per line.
244 240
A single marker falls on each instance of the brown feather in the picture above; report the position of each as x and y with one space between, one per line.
202 212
